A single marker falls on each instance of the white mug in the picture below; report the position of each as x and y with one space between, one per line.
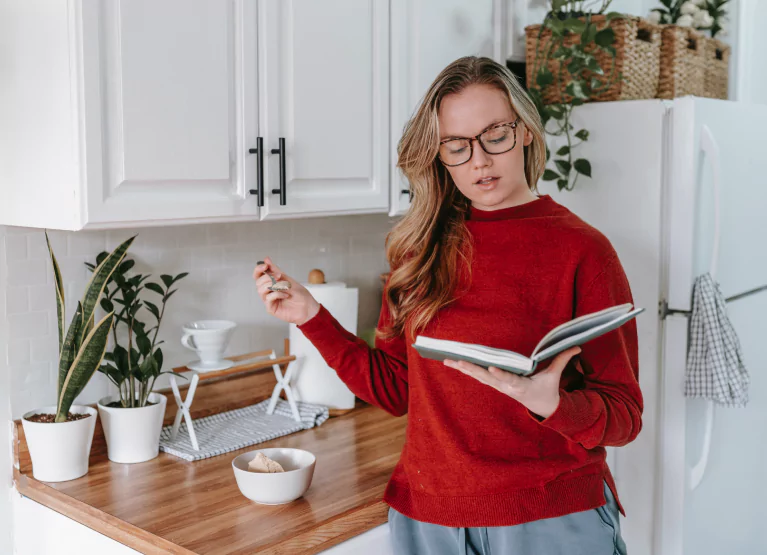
208 338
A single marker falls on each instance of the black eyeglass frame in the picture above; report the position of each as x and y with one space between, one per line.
471 140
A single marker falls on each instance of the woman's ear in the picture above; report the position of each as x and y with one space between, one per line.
528 137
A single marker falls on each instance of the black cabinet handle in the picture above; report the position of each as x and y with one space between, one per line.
282 191
259 190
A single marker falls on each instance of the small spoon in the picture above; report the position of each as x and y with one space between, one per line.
276 285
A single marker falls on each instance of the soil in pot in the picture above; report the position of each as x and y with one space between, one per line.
49 418
118 405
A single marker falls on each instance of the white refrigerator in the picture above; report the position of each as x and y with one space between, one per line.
695 480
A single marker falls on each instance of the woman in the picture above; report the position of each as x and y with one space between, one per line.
493 462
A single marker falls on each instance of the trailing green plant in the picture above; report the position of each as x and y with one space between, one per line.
703 15
135 367
577 64
83 344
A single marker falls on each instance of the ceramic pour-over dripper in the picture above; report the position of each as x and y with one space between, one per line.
276 285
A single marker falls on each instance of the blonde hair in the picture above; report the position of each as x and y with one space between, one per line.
425 248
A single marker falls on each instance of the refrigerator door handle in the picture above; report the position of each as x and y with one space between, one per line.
711 149
697 471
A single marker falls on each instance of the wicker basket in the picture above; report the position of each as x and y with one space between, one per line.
682 62
716 72
637 44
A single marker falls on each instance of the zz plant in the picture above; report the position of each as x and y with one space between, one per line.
134 365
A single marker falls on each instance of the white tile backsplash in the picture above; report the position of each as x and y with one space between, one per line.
219 258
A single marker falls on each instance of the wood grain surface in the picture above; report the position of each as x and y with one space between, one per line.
169 505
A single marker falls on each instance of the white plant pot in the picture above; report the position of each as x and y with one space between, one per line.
60 450
133 435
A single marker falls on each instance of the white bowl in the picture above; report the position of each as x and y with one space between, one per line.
275 488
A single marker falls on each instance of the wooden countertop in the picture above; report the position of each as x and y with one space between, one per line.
169 505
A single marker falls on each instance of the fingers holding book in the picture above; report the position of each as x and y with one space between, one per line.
539 393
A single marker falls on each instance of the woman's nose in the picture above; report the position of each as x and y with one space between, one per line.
479 157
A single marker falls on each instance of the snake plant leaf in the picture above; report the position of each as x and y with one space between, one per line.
98 281
69 352
84 365
59 283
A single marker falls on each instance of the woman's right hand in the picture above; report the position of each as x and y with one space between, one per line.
295 306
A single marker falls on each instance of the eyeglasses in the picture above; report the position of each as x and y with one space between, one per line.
496 140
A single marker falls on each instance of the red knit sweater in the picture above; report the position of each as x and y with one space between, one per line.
473 456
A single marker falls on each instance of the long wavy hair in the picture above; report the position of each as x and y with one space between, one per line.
426 247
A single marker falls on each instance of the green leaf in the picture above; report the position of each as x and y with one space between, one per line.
151 307
155 287
589 34
611 50
120 357
583 166
545 78
557 27
595 83
577 102
182 275
583 135
90 266
167 280
125 266
144 344
97 283
563 166
593 65
561 184
550 175
69 352
134 309
58 283
575 89
84 365
575 25
107 305
158 357
148 368
169 295
605 37
565 150
562 53
574 66
134 357
100 257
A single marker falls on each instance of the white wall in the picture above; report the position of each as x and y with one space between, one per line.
220 260
6 513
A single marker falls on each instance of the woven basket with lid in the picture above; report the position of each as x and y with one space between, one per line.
717 67
682 62
637 44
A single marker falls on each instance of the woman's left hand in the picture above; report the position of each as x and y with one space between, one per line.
539 393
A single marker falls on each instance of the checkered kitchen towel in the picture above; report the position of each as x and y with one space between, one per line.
235 429
715 368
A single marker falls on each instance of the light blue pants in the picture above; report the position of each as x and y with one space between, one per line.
593 532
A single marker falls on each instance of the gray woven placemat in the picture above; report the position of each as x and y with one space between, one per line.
235 429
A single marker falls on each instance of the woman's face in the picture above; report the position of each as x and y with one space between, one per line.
469 113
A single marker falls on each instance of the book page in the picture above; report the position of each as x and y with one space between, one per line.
471 350
580 324
585 335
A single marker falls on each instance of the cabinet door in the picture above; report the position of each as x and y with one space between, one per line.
171 109
326 93
427 35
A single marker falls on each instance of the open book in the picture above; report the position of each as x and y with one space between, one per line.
575 332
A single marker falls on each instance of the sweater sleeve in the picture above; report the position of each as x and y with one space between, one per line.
607 409
375 375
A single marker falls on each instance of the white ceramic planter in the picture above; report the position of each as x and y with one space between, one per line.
133 435
60 450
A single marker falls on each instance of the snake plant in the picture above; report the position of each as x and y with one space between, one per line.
83 344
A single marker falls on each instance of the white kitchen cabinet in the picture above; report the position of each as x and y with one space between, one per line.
327 101
39 530
426 36
122 114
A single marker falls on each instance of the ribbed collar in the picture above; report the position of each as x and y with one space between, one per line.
540 206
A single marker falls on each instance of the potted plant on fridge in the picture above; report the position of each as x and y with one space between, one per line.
132 419
59 437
